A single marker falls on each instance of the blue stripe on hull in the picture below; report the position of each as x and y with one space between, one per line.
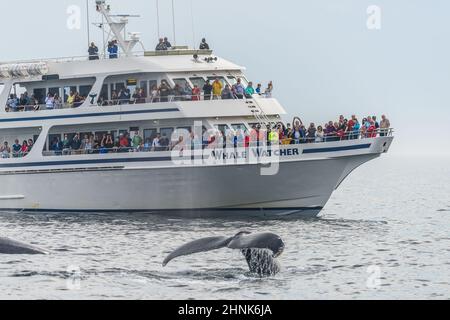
154 159
75 162
336 149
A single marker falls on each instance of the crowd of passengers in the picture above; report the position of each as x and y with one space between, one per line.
107 143
297 133
343 129
53 101
17 150
215 90
163 93
281 134
113 48
164 44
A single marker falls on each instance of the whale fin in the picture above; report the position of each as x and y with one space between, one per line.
268 241
202 245
8 246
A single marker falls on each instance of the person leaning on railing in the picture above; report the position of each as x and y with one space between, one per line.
227 93
196 93
13 103
217 88
207 90
5 150
239 89
385 125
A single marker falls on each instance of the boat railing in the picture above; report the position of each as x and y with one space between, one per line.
100 56
171 98
223 143
107 56
131 101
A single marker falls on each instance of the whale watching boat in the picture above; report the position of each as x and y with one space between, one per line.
126 132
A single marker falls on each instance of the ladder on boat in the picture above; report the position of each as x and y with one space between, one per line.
260 116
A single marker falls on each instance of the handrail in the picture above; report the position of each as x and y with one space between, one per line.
167 98
106 56
143 100
101 56
146 148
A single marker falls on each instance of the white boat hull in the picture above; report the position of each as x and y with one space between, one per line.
300 188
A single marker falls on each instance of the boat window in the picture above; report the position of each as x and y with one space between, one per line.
85 90
150 134
200 82
104 92
243 81
222 127
232 80
152 84
17 142
166 82
143 85
68 90
100 134
117 87
55 91
167 132
182 83
40 95
83 135
221 79
239 126
189 129
123 132
52 138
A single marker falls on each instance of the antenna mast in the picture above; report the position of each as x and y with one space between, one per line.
157 18
173 20
88 23
117 28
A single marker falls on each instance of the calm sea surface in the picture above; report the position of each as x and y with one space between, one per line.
384 234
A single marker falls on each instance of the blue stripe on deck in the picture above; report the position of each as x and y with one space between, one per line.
87 115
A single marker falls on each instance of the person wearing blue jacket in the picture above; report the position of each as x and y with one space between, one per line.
113 50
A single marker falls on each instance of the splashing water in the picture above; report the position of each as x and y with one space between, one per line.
261 262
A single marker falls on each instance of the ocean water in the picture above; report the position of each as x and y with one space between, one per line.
385 234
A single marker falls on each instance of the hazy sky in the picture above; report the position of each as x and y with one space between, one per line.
320 54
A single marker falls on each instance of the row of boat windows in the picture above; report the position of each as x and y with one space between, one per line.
151 139
154 139
148 86
39 95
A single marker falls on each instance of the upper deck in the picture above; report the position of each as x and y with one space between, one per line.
171 61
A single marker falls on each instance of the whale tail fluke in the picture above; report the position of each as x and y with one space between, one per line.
202 245
260 250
